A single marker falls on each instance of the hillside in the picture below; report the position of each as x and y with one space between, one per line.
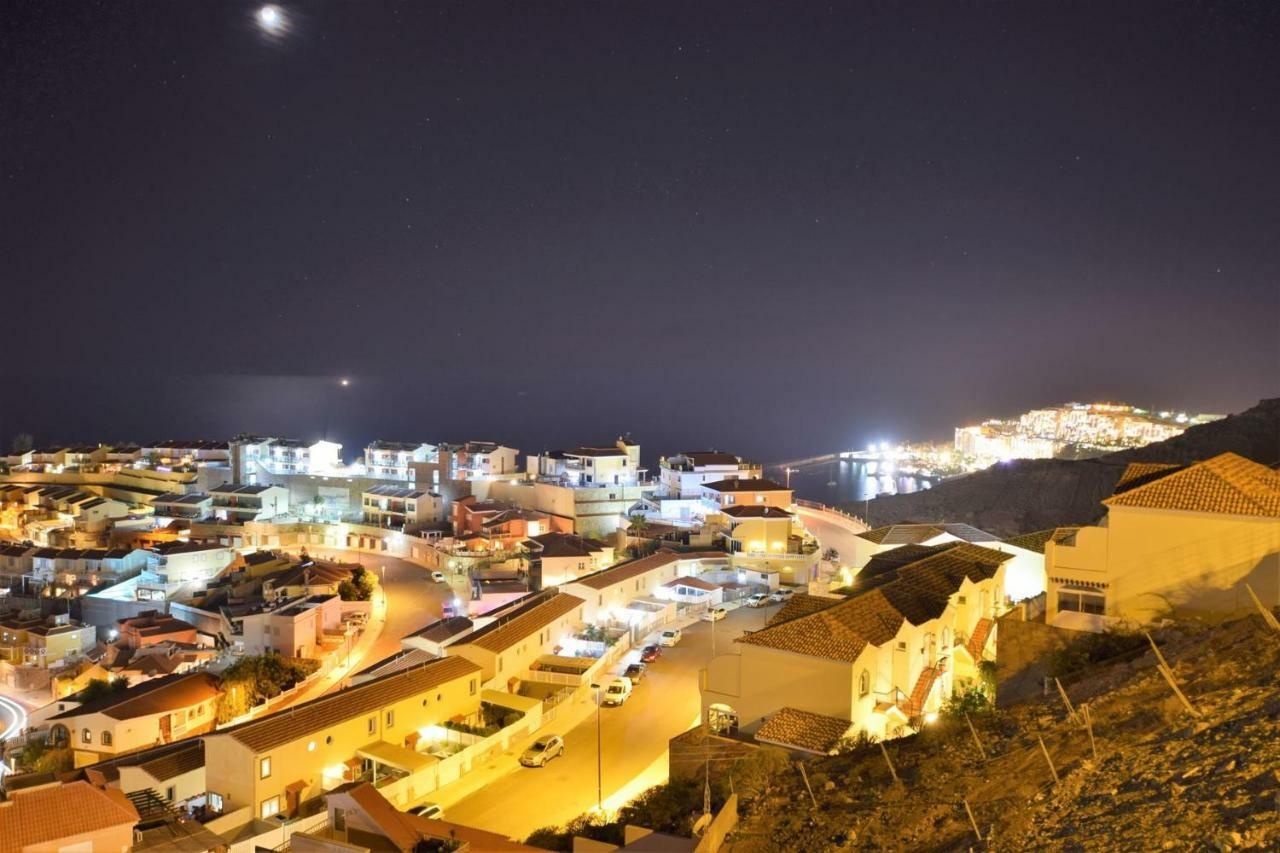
1163 779
1034 494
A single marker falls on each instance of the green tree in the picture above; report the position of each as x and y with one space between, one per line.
359 587
754 775
254 679
99 687
831 555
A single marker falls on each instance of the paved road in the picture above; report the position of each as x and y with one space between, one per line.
830 533
635 738
13 717
413 601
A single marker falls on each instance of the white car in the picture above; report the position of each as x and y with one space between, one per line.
543 750
782 594
670 637
439 577
760 599
431 810
618 691
715 614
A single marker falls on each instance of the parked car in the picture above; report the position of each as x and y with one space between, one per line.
431 810
650 653
670 637
618 691
439 577
543 750
715 614
782 594
759 599
635 673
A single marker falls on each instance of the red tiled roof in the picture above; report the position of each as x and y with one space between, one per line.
40 818
1227 484
696 583
507 634
803 730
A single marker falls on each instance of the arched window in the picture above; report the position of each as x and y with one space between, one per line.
864 683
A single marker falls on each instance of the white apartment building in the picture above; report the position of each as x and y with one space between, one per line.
240 503
393 460
400 508
683 475
618 465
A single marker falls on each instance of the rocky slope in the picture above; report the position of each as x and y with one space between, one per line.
1162 778
1027 495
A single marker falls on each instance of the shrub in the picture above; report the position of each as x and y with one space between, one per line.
973 701
754 774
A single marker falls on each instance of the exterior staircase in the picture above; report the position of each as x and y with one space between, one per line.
924 684
978 639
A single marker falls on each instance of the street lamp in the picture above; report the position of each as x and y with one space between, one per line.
599 755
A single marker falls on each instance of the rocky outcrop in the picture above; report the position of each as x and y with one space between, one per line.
1035 494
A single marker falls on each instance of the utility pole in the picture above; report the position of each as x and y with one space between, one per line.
599 755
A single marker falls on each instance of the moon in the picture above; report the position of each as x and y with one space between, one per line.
271 19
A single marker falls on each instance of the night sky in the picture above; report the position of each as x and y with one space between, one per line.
774 229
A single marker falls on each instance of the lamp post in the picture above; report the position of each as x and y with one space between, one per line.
599 755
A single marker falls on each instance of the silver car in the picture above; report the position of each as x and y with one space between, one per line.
543 750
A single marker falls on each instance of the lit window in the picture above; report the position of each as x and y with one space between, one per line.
864 683
270 807
86 736
1082 600
264 768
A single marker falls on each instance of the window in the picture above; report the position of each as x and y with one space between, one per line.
373 725
473 687
270 807
391 718
86 736
106 738
264 767
1082 600
499 663
864 683
215 801
170 793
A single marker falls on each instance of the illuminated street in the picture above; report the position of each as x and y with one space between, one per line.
635 736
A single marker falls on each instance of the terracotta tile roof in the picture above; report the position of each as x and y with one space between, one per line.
839 632
802 604
914 534
1227 484
300 720
38 819
633 568
803 730
916 592
694 583
1136 473
151 697
565 545
509 630
1037 540
750 511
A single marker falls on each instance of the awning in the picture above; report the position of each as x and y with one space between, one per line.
396 756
